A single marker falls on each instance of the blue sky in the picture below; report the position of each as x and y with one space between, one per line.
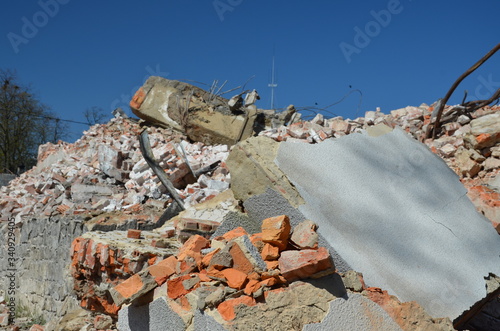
80 54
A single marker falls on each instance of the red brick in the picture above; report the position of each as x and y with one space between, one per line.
138 99
254 275
130 286
227 309
304 235
185 267
215 274
238 232
305 263
175 287
134 234
270 252
184 303
256 237
192 246
268 282
163 269
276 231
240 261
204 276
235 278
207 258
251 287
271 264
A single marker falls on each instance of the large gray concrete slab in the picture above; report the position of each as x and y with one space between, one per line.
354 313
395 212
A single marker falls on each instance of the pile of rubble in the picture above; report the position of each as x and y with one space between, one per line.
104 172
230 270
232 259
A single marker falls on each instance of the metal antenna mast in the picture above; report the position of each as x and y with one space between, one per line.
273 85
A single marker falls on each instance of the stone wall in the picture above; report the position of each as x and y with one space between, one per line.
44 284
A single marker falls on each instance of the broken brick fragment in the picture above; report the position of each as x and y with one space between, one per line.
205 262
305 263
270 252
238 232
138 99
304 235
193 246
215 274
130 286
272 264
240 261
163 269
246 257
229 308
134 234
276 231
235 278
175 286
186 266
251 287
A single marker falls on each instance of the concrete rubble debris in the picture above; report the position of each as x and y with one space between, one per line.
389 237
202 115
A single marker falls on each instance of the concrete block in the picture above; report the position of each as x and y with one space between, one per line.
156 316
395 212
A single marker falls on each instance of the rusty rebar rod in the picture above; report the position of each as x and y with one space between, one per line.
439 112
148 155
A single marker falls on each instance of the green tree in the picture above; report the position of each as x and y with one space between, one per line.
25 123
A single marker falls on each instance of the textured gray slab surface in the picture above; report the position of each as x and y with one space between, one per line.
353 314
156 316
395 212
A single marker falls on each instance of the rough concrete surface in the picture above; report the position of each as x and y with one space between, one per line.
204 322
156 316
395 212
252 168
354 313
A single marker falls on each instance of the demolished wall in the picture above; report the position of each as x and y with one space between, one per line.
105 208
45 284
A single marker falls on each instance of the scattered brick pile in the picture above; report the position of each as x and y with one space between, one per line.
236 268
99 264
105 171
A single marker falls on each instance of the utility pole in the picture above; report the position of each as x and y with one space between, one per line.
272 85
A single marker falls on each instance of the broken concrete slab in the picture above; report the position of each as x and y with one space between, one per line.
155 316
354 313
252 168
203 116
395 212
